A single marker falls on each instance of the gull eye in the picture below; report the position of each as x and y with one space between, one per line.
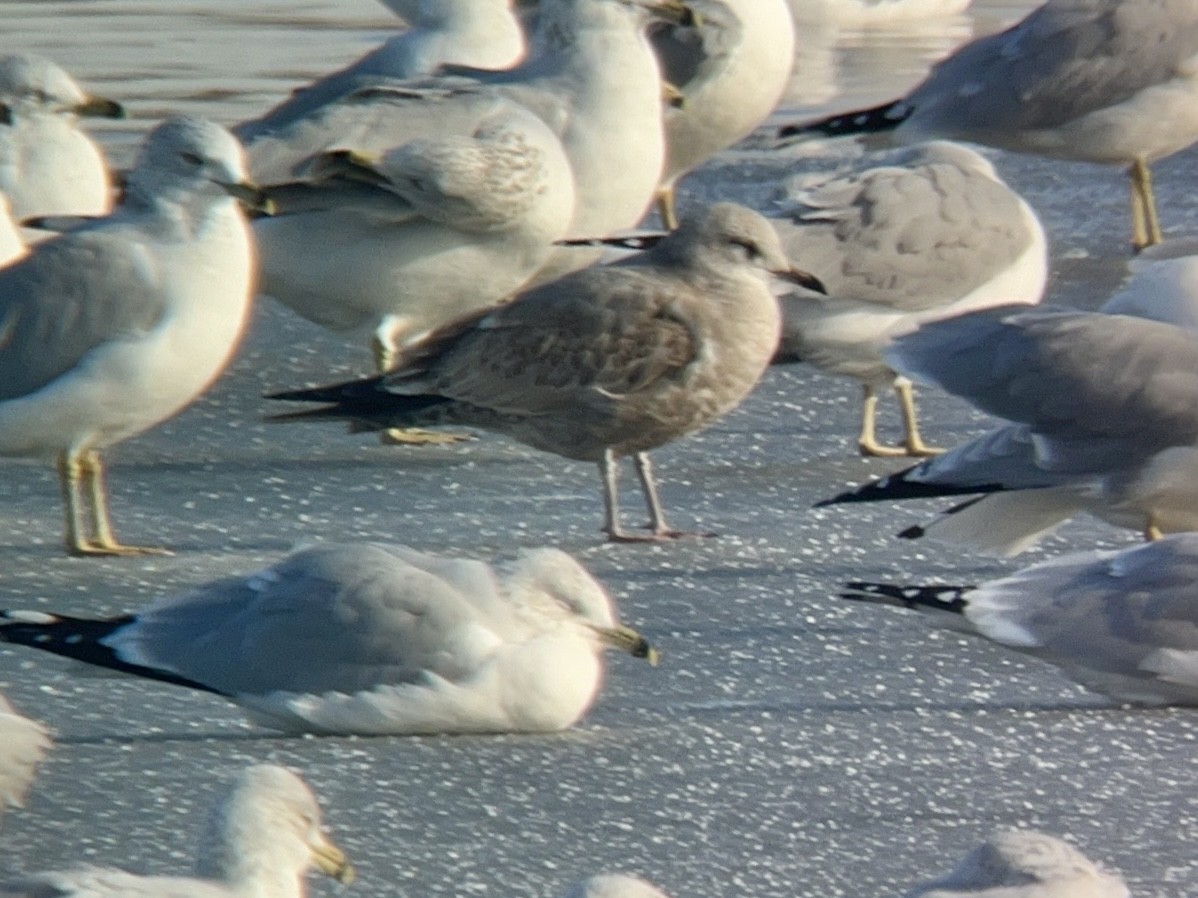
752 250
192 159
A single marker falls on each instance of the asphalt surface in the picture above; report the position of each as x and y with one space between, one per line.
789 744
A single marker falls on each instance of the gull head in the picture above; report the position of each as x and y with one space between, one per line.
193 155
31 84
268 829
728 237
559 581
614 885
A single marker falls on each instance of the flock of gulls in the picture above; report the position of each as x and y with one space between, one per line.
519 144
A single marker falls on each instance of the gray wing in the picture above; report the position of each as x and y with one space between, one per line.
331 618
1098 392
372 120
397 58
107 882
908 238
1068 58
69 296
596 334
1128 614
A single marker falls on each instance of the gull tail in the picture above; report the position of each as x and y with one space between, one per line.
1003 523
935 598
366 404
875 120
82 639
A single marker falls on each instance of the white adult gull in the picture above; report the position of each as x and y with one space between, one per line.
614 885
925 233
12 240
1107 81
591 76
398 245
261 840
117 325
48 165
372 640
1124 623
1103 413
730 66
610 361
483 34
23 745
1024 863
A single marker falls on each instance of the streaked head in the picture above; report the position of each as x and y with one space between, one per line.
727 236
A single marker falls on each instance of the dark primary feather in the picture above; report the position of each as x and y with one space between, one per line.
874 120
899 486
81 639
937 597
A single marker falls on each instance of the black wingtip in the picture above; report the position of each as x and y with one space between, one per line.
915 532
81 639
874 120
937 597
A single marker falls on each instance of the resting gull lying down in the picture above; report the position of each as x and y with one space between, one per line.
1121 623
261 840
614 885
1024 863
372 640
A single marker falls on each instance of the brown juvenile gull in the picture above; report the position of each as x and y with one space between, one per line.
370 640
23 744
1103 418
116 326
1123 623
1107 81
610 361
260 840
1024 863
925 233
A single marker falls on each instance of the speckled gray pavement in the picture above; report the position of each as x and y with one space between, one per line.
790 744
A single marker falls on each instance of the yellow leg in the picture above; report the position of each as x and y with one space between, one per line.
1145 223
666 208
867 441
85 471
1152 531
68 481
912 441
384 360
104 542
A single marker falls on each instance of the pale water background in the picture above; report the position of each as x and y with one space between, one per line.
789 745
